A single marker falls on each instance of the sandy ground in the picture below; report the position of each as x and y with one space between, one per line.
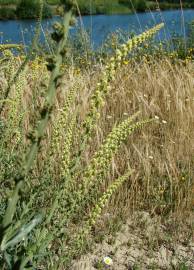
143 243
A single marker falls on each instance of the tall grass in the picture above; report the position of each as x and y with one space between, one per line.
79 155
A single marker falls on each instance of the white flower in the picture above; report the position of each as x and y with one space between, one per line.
108 261
164 121
156 117
150 157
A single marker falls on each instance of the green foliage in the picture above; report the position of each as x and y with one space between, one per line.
53 2
140 5
57 189
124 2
11 232
29 9
7 13
9 2
93 7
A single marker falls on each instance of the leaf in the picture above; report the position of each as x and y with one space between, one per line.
8 259
10 211
22 233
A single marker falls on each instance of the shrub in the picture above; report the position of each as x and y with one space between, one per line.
140 5
124 2
86 9
9 2
29 9
7 13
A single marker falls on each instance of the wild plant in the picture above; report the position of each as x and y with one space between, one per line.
78 242
73 198
108 76
4 47
104 86
27 236
27 58
63 122
13 232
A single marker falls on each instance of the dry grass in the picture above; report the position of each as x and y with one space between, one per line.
161 154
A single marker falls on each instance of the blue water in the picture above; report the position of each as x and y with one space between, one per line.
101 25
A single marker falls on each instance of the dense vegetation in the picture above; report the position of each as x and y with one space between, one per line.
28 8
23 9
89 137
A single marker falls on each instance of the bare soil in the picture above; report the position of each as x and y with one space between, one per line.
143 243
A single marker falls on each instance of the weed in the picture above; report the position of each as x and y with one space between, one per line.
79 158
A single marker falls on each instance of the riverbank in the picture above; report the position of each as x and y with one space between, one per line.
100 27
9 8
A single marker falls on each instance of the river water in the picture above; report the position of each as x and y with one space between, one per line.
99 26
